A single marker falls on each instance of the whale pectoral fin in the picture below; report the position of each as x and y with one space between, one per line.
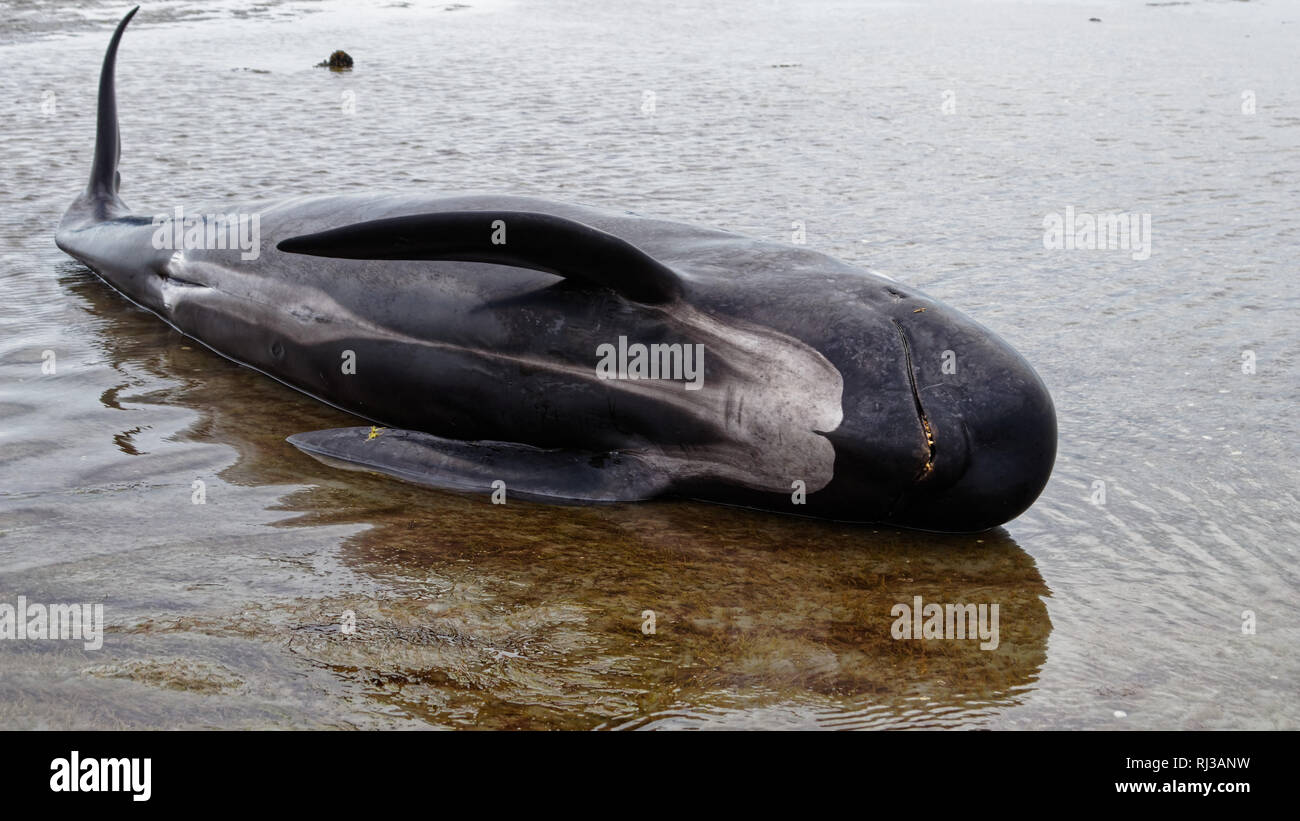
527 472
523 239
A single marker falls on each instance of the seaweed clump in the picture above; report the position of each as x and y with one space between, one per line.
338 61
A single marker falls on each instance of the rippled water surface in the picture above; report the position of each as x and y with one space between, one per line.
227 614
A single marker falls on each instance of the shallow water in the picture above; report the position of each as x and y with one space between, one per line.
1126 613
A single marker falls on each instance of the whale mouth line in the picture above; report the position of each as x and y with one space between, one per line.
928 467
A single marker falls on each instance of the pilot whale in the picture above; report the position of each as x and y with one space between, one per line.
505 343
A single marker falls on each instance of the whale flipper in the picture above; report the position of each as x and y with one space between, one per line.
524 239
528 472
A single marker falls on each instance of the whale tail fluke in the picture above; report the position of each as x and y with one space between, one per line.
100 200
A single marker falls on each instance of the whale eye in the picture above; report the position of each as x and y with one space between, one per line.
277 349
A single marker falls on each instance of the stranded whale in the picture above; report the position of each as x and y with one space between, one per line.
578 354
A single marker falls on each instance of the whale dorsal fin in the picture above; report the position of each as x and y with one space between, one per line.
524 239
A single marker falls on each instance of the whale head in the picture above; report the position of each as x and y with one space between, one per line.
945 426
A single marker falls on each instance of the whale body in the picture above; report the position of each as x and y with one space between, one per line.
567 353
